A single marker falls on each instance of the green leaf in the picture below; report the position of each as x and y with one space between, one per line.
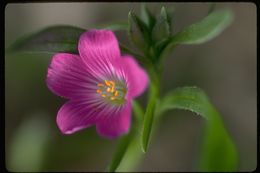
218 152
134 34
149 117
162 29
147 16
197 33
53 39
148 125
188 98
140 24
205 30
62 38
138 31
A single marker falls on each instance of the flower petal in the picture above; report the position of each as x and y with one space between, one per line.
74 116
68 76
116 124
136 76
98 45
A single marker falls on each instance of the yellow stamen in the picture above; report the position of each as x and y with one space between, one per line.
112 90
107 83
99 91
108 90
112 82
116 93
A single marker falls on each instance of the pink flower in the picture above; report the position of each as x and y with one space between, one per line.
99 83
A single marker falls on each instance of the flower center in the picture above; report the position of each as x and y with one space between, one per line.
112 91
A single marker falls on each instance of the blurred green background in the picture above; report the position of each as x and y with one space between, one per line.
224 67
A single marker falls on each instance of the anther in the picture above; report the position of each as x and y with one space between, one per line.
107 83
108 89
99 91
116 93
112 82
100 84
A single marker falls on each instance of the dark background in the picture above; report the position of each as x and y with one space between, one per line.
225 68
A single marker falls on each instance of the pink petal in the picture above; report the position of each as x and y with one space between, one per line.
137 77
74 116
67 76
97 46
116 124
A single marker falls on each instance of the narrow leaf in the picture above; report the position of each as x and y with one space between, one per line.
55 39
188 98
142 27
49 40
205 30
149 117
162 29
134 35
167 20
218 150
147 16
